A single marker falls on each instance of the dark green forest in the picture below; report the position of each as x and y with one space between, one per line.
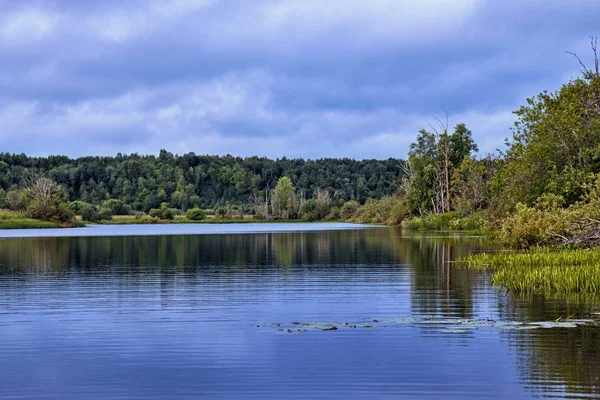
190 180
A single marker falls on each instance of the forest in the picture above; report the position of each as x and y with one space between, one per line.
134 183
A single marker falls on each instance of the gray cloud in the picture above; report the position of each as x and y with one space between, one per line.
286 77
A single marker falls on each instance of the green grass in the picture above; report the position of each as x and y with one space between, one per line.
452 221
16 220
543 270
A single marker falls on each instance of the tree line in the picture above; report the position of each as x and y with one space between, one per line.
133 183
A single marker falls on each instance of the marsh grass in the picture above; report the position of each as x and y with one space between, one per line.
452 221
544 270
16 220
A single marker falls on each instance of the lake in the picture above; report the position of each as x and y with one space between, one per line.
277 311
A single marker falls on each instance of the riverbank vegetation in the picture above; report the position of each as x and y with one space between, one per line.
16 220
547 270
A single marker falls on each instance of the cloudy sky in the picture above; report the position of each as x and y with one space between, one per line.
296 78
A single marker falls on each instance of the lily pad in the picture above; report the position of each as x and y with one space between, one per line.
446 324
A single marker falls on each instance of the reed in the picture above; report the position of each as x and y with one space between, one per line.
547 270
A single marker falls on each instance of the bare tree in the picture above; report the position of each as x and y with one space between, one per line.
589 73
40 188
440 129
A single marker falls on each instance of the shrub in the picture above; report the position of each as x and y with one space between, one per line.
52 209
529 226
163 213
86 210
400 212
116 207
223 212
334 213
16 199
349 209
103 214
310 210
195 214
376 211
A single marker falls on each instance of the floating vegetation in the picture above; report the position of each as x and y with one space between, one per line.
542 270
438 324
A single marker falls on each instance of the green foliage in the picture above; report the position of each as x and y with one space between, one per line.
163 213
554 148
318 208
447 221
195 214
470 185
26 223
334 214
223 212
548 223
349 209
8 214
401 211
53 209
16 220
103 214
283 204
16 199
86 210
432 160
531 226
376 211
542 270
312 210
190 180
116 207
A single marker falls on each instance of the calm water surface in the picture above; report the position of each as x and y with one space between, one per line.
148 312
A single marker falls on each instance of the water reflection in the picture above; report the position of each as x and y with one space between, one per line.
216 285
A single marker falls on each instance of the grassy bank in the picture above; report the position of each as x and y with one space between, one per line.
181 219
15 220
452 221
542 270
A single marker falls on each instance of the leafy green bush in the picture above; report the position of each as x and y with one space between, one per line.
52 208
223 212
376 211
103 214
195 214
349 209
334 214
313 210
400 212
163 213
86 210
116 207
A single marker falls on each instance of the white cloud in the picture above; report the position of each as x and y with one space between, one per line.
305 78
26 25
376 17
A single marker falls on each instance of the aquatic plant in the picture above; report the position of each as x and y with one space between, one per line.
546 270
435 323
